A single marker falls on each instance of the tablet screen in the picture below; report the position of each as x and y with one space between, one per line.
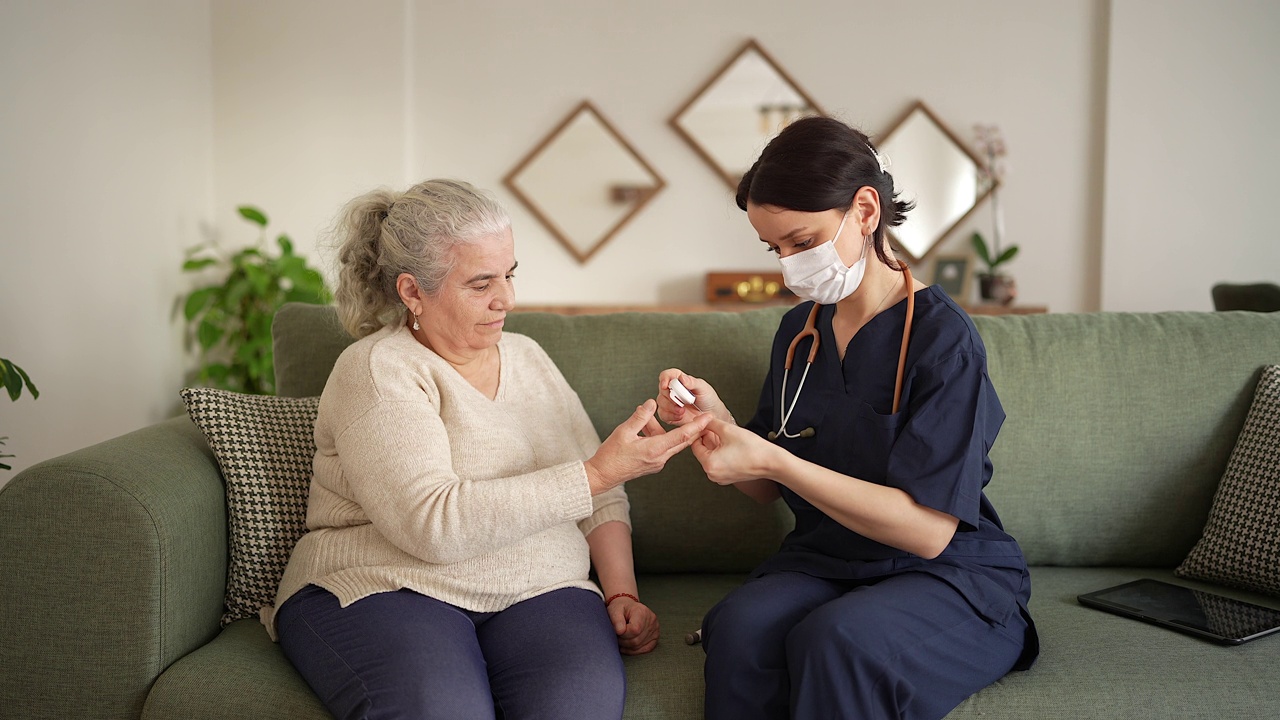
1182 608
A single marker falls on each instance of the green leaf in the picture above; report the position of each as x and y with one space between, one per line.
12 380
236 291
217 372
980 247
253 215
208 334
1006 256
286 245
31 387
200 264
198 301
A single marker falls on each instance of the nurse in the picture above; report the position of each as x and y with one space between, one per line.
899 593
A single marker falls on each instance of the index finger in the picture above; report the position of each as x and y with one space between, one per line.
675 440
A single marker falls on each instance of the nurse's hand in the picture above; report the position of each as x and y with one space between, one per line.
637 447
730 454
635 625
705 398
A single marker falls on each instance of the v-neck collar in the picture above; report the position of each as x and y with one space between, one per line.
499 395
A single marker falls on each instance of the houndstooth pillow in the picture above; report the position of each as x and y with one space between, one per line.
264 445
1240 546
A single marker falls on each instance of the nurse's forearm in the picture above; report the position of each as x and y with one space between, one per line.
761 490
884 514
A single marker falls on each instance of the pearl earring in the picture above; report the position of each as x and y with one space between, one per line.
416 326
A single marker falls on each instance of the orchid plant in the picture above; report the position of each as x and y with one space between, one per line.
991 146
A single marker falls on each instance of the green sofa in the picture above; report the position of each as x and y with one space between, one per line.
113 558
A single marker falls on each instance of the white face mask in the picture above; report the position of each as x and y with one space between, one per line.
818 274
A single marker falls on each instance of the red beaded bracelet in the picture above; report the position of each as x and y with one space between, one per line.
615 597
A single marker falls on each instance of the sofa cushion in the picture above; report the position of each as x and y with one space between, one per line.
1241 542
1092 664
265 446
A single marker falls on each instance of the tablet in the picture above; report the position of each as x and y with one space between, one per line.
1204 614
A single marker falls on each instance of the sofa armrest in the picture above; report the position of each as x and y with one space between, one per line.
112 566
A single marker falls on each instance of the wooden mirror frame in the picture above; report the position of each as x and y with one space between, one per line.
992 183
750 45
584 250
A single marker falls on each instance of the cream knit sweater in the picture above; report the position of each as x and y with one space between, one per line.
422 482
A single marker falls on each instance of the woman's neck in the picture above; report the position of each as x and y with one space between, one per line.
478 366
882 287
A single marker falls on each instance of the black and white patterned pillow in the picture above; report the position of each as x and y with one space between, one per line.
1240 546
264 445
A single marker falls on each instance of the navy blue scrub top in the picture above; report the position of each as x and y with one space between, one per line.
935 448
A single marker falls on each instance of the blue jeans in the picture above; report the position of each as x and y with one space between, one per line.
404 655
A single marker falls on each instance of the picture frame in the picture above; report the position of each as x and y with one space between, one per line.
953 273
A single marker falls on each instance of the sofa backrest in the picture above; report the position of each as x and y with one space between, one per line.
1119 425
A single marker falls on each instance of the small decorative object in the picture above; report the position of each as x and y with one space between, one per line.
14 378
994 286
747 287
231 320
951 273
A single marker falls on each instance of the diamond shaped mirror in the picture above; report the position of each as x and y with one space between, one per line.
583 181
933 167
730 119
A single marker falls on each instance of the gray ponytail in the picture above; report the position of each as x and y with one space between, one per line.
383 234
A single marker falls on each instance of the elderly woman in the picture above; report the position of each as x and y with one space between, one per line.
460 493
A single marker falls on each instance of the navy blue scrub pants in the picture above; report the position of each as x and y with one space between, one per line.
789 645
405 655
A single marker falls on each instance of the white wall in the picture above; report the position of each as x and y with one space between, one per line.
465 88
308 110
105 176
1193 154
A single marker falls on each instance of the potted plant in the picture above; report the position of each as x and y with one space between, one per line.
231 319
14 378
993 285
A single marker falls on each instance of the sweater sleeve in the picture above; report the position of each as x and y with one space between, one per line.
611 505
397 462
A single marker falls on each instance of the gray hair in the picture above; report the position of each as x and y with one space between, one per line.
383 234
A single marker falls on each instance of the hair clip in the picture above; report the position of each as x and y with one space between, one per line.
882 160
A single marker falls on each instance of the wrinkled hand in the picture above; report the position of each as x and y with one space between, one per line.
729 454
705 398
635 624
626 454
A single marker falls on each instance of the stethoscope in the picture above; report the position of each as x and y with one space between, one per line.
811 331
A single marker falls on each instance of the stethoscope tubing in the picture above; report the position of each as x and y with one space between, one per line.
811 330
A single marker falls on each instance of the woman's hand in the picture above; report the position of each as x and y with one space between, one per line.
705 397
635 624
730 454
626 454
